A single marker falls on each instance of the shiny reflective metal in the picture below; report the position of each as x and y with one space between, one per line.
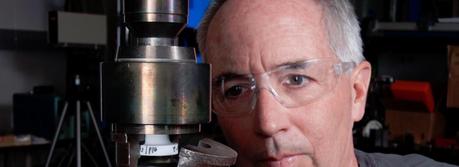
152 82
156 18
154 41
152 86
157 54
157 93
157 129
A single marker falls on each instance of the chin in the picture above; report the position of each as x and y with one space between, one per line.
291 161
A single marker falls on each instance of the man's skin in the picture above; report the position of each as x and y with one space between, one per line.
254 36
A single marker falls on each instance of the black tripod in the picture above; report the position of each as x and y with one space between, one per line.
77 99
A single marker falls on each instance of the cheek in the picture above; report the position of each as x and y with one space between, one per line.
335 108
236 131
327 119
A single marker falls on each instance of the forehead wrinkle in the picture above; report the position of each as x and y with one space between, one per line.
224 37
228 65
237 24
242 18
288 53
308 34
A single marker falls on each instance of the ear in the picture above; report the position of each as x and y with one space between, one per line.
360 81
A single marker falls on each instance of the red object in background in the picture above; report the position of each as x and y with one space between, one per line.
414 91
445 143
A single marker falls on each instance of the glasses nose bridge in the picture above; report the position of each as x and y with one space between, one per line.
263 81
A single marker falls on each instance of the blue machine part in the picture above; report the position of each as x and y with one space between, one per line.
197 10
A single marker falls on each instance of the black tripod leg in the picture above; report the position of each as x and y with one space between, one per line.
56 134
78 133
99 136
67 155
85 149
71 158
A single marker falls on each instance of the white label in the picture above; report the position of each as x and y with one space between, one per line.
159 150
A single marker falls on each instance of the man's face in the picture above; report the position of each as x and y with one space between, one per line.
252 37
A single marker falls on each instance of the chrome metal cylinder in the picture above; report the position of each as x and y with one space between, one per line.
153 82
156 18
164 93
153 86
156 54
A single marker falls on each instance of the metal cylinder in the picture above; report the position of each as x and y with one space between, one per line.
156 93
152 86
156 18
157 54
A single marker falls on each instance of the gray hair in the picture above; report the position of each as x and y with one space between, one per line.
343 29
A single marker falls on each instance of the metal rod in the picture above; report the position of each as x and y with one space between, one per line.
56 135
67 154
78 133
72 156
85 149
101 94
99 136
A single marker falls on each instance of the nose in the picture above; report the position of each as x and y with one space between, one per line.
270 117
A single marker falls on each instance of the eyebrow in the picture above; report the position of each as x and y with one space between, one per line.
290 63
228 76
232 75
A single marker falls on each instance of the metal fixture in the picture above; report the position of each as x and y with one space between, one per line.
153 88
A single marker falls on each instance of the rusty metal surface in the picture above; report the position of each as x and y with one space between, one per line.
208 153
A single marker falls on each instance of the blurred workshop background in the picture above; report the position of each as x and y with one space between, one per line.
46 45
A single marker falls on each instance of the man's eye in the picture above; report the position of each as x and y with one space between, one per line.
296 80
234 91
